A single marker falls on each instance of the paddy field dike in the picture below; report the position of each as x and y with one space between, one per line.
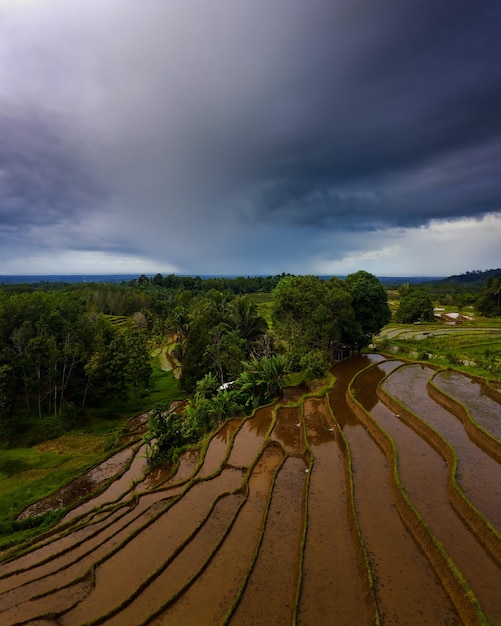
374 500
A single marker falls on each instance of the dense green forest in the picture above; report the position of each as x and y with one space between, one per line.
68 349
462 289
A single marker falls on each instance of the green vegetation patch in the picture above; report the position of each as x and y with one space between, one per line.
473 347
164 386
29 474
482 347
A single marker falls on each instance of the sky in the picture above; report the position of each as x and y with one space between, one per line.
250 136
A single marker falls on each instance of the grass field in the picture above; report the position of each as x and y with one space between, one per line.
474 347
30 473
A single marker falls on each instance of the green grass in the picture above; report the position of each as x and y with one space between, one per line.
164 386
122 321
264 302
462 346
482 347
29 474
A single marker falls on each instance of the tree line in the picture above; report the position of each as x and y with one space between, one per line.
58 357
62 349
234 360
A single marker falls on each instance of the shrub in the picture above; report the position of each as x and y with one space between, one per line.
315 364
452 358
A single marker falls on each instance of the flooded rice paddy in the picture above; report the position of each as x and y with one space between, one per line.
368 503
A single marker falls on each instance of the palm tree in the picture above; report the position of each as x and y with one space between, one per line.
244 318
180 321
265 378
495 289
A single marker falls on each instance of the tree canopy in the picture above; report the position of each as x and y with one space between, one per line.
56 356
415 306
66 347
489 302
370 302
221 333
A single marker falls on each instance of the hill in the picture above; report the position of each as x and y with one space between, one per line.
474 278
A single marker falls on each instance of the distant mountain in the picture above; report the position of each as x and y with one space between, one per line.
397 281
31 279
476 277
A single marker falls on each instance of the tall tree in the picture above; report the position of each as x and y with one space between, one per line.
370 302
245 319
416 306
313 314
489 302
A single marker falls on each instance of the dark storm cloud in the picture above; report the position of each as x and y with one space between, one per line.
42 181
427 85
195 133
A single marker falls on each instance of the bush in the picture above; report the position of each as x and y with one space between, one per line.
489 363
415 306
452 358
314 363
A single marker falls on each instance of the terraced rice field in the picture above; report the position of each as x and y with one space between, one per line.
376 502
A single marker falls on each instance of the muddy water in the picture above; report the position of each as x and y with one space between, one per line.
155 478
331 588
67 557
293 395
165 475
184 568
483 409
117 488
218 448
116 580
479 475
36 563
59 601
249 439
75 563
276 566
399 568
209 599
83 486
427 468
288 430
156 543
187 465
419 467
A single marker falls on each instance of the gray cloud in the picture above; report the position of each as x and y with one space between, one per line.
42 181
233 136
